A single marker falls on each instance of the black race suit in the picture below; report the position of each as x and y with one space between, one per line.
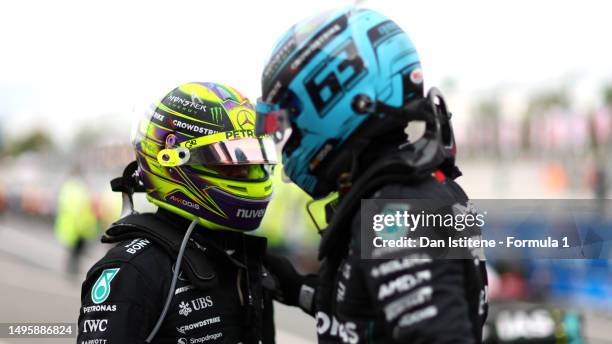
401 300
125 291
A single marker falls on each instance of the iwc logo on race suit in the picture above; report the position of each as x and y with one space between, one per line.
102 288
95 325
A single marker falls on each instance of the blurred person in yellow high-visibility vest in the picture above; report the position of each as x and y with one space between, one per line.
75 221
286 219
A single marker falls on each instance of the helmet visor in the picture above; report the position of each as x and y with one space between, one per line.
247 151
272 120
243 151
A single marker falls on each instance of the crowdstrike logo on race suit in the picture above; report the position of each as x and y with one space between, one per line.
183 329
102 288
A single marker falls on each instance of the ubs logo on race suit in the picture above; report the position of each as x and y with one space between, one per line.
102 288
196 304
95 325
346 331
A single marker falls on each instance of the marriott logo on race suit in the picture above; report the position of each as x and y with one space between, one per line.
95 325
102 288
250 213
197 304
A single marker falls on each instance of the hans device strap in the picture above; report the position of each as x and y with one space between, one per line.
197 265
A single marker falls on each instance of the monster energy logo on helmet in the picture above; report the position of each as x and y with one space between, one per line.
187 103
215 113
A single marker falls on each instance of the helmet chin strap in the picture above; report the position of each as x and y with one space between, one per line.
127 184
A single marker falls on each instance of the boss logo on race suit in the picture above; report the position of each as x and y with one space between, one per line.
347 331
196 304
95 325
403 283
102 288
136 245
250 213
196 325
396 265
99 308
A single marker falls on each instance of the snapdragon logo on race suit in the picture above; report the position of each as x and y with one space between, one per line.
102 288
